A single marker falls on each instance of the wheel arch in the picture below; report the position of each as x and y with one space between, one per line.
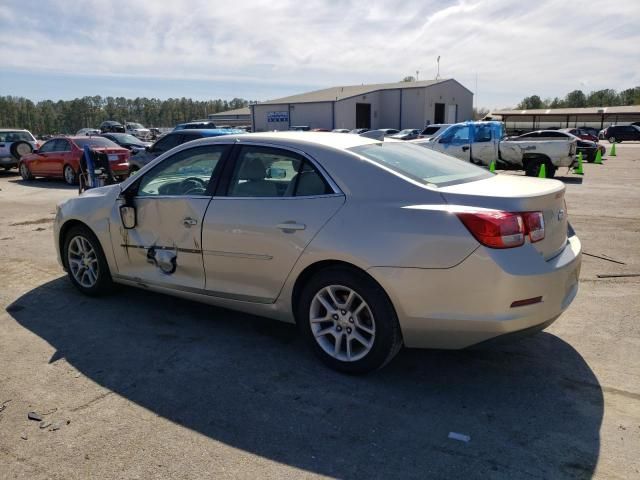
312 269
64 229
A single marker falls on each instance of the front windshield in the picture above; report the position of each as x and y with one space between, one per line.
134 125
406 132
421 164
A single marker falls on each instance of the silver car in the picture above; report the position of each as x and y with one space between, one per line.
367 245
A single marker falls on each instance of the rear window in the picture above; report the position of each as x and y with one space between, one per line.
99 142
421 164
16 137
430 130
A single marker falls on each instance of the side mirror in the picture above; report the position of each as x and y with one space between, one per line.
128 216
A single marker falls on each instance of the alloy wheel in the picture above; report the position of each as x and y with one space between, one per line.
69 175
83 261
342 323
24 172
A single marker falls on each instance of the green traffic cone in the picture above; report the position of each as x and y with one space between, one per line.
598 159
543 171
578 170
613 150
492 166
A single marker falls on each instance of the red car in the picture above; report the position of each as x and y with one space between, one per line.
580 133
60 157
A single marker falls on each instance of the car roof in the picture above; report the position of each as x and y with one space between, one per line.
211 132
13 130
327 139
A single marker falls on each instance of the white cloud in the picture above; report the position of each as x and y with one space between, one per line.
516 48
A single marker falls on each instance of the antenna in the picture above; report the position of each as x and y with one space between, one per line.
438 73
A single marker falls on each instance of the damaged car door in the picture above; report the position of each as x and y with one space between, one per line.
163 248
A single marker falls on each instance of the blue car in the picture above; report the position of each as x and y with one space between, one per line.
173 139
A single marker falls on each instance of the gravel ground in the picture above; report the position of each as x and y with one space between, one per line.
144 386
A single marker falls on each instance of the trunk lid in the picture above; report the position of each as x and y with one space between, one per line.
518 194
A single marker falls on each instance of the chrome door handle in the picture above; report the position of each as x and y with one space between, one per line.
189 222
291 226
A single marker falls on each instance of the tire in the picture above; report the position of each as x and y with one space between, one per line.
20 149
612 139
532 167
133 170
70 175
25 173
91 273
369 335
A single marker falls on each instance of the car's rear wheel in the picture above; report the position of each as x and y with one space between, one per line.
133 170
348 320
70 175
533 166
25 173
612 139
85 261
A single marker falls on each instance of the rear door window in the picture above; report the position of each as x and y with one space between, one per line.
273 172
48 146
167 143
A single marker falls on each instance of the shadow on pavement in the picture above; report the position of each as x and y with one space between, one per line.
44 183
533 408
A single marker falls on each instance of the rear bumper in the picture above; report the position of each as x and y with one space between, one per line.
8 161
120 168
471 302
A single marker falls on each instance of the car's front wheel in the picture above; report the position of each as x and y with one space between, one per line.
85 261
612 139
348 320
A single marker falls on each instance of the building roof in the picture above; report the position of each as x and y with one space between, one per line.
333 94
630 109
228 113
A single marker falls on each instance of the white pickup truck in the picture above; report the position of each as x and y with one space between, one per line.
137 130
484 142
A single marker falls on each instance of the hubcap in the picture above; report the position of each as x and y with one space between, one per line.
68 174
83 261
342 323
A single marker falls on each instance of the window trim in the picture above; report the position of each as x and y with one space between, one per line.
223 187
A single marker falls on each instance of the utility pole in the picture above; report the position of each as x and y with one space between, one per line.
438 72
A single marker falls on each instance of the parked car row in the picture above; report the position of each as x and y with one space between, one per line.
429 131
620 133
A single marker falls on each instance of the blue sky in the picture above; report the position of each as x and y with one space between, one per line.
266 49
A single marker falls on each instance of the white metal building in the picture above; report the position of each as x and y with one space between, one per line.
387 105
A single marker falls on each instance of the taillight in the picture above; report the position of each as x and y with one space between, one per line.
534 225
495 229
503 229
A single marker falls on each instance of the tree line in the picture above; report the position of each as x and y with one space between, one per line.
577 99
69 116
